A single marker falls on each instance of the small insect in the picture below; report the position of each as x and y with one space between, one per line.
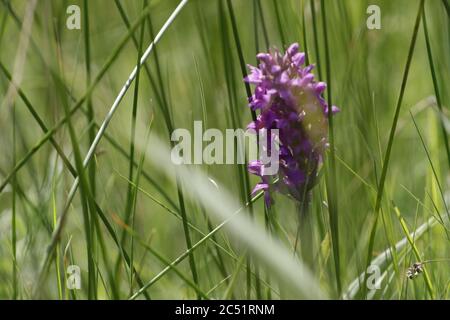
415 270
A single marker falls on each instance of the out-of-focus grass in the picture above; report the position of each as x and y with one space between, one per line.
195 73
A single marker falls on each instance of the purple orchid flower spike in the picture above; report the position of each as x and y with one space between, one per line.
290 99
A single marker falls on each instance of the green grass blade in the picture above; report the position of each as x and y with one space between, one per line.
279 23
415 250
435 84
331 172
316 38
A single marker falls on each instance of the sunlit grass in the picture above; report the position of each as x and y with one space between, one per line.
86 179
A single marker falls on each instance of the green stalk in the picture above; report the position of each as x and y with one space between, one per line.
153 84
90 110
316 38
263 24
436 86
279 23
415 250
14 213
435 175
169 126
135 188
219 261
447 7
130 206
90 116
240 53
84 186
331 172
58 258
236 121
305 41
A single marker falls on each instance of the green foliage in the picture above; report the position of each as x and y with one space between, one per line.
139 227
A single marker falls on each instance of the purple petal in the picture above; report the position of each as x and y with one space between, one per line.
334 110
320 87
293 49
254 167
259 187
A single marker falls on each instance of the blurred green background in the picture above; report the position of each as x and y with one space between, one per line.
196 74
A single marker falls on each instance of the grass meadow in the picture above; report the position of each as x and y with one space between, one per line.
88 191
